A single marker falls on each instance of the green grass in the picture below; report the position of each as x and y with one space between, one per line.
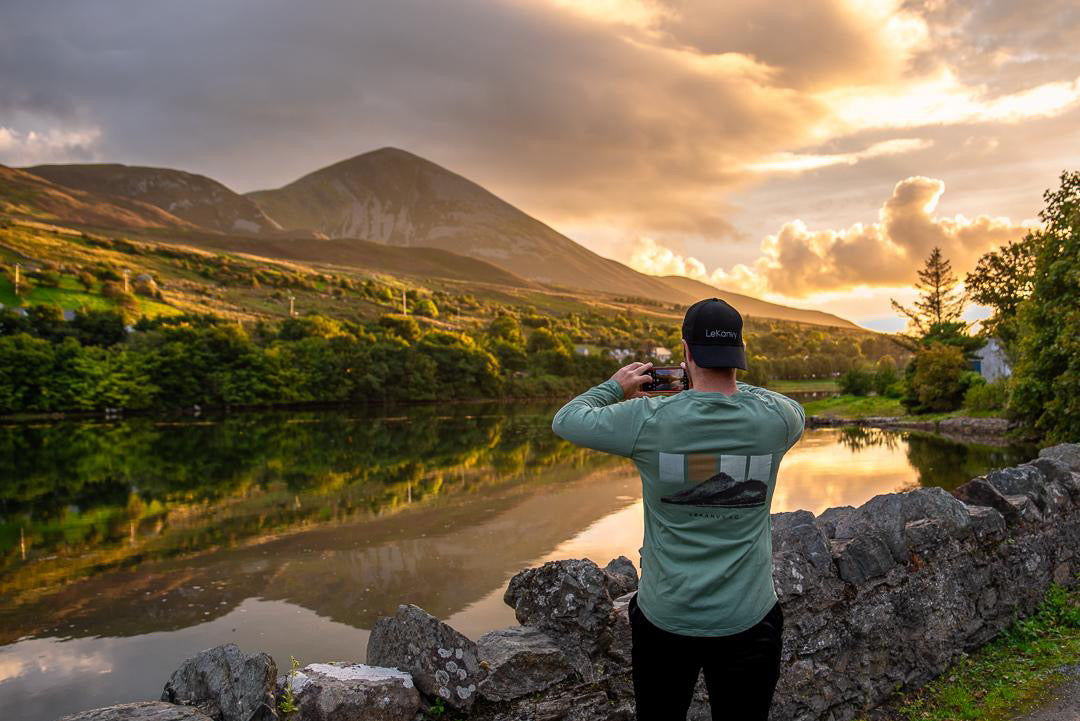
1009 676
854 407
813 384
72 296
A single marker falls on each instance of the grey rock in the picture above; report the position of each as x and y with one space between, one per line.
443 663
354 692
140 711
987 523
569 600
519 661
925 534
797 531
1067 453
979 492
1058 472
862 557
1027 480
1025 508
888 514
226 684
622 576
831 516
621 637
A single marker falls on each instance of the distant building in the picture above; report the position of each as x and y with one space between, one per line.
661 354
581 349
621 354
69 315
991 362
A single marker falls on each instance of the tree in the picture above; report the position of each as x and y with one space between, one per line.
939 305
1002 279
1046 390
939 380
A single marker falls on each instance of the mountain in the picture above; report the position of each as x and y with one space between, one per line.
748 305
394 197
26 194
350 252
195 198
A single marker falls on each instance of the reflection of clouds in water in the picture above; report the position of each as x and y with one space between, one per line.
48 656
821 472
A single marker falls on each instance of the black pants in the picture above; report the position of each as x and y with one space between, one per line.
741 670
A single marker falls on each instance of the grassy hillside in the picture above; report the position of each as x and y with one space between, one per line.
754 307
196 199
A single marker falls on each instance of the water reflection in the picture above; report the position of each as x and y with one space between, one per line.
146 541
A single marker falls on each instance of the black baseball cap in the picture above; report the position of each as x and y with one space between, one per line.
713 330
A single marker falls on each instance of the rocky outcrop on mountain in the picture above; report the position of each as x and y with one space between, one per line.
876 598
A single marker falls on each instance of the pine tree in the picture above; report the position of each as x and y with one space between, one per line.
939 306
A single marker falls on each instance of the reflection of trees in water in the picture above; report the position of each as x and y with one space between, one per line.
937 460
143 487
942 462
857 438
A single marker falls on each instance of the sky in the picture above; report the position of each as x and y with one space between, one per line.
809 153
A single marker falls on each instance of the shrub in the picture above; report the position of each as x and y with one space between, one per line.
426 308
937 380
987 396
857 382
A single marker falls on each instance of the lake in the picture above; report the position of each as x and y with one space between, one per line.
130 545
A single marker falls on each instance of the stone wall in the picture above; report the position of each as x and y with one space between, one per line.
876 599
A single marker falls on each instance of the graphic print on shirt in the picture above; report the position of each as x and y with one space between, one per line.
724 481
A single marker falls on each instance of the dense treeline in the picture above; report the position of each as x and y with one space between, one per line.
93 362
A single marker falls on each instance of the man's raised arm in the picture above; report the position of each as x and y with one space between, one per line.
598 419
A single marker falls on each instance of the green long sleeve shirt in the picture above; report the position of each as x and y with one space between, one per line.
708 465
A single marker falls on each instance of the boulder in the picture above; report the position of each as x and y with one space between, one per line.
1066 453
353 692
622 576
443 663
140 711
569 600
519 661
1026 480
1056 471
830 517
925 534
1025 508
887 515
862 557
987 523
226 684
799 532
621 635
979 492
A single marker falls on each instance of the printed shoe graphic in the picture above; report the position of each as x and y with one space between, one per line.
721 490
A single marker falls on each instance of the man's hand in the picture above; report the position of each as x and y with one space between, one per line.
631 377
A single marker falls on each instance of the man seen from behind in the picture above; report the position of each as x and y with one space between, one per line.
708 458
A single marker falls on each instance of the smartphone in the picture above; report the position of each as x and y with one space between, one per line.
667 379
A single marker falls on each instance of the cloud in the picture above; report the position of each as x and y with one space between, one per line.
798 262
52 145
797 163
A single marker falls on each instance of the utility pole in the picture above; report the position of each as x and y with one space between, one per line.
127 273
17 269
292 300
404 307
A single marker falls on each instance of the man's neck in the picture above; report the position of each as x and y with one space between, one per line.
713 382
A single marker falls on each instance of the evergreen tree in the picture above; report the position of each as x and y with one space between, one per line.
939 305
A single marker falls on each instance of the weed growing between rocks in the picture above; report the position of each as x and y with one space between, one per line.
1008 676
287 705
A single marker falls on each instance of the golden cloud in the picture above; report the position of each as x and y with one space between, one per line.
797 262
